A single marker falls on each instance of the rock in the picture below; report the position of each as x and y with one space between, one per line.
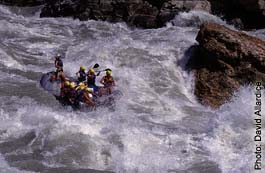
22 2
61 8
189 5
225 60
172 7
143 15
250 12
253 5
237 22
140 13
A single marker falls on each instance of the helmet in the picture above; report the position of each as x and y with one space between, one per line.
67 83
108 72
82 68
88 89
91 70
72 85
80 87
81 84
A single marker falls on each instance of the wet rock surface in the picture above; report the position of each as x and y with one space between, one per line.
224 61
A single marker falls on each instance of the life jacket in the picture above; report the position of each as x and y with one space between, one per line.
108 81
58 64
65 91
72 94
82 76
79 95
95 88
91 80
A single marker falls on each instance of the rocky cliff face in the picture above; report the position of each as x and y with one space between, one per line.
226 59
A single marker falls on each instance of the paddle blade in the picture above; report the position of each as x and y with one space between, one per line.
96 66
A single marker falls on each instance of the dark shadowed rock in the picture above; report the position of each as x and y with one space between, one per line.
143 15
22 2
225 60
250 12
60 8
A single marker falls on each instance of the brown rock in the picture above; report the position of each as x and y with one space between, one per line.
226 60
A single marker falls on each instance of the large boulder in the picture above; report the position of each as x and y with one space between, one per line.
226 59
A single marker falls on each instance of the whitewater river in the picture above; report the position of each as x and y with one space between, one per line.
158 126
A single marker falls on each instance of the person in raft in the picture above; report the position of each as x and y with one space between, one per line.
81 74
59 75
108 82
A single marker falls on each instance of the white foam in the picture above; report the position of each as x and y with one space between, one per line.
232 145
195 19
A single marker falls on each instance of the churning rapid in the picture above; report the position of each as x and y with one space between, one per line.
157 126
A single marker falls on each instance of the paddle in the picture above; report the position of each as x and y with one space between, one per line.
96 65
98 72
107 69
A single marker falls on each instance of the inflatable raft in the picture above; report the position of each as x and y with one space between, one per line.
54 88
